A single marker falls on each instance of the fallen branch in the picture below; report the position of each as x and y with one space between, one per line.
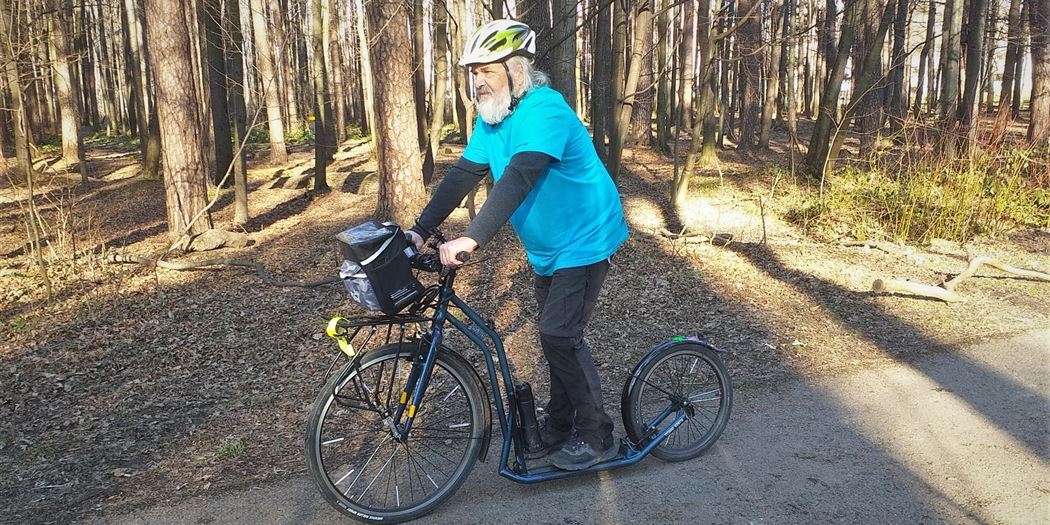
918 289
976 263
946 292
259 268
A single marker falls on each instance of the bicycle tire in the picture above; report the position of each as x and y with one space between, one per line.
660 375
325 460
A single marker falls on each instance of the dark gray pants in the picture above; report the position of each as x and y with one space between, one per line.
566 301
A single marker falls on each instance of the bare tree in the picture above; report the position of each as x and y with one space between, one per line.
401 191
967 110
952 45
826 126
237 110
441 75
323 140
178 117
264 57
750 52
924 56
218 99
1039 120
642 16
68 101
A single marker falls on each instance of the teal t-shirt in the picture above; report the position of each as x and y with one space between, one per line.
573 216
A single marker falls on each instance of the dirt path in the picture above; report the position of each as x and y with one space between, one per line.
136 387
960 437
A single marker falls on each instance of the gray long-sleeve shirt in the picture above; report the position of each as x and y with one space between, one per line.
520 176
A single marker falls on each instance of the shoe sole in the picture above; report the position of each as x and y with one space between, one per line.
609 454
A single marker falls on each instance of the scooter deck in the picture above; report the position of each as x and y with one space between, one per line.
625 456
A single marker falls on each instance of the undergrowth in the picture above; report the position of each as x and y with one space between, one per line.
913 195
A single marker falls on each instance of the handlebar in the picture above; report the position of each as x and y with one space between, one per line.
431 262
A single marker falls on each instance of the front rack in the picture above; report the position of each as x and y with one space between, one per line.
360 335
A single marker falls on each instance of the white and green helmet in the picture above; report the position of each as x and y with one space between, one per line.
499 40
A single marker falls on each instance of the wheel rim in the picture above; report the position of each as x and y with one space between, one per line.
683 376
362 460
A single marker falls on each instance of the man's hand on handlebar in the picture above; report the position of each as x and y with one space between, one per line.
450 249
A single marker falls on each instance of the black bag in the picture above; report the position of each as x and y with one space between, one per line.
382 252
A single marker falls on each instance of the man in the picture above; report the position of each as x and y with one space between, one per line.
556 193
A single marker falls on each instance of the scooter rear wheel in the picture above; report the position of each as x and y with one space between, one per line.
684 377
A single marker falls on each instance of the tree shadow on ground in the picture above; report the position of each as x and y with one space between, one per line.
855 311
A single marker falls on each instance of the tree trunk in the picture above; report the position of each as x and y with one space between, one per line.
870 108
870 74
949 99
987 89
420 92
561 50
750 53
463 108
643 33
180 127
441 75
401 191
1012 51
238 112
282 56
322 111
687 63
336 66
663 87
72 142
9 46
967 111
924 56
1015 99
619 54
790 65
367 83
642 114
220 116
772 78
825 127
264 57
898 84
107 63
702 142
601 80
1039 120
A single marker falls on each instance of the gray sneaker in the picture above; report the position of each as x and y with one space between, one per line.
552 438
579 455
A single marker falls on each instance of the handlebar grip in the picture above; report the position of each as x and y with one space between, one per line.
463 256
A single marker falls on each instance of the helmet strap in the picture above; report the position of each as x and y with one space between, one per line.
514 99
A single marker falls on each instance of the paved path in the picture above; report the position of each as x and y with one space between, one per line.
960 437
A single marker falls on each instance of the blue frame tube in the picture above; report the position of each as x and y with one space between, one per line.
631 456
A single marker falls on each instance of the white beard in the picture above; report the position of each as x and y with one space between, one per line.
495 108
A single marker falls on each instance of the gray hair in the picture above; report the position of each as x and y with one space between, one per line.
533 77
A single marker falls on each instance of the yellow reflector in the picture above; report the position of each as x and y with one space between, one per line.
333 327
404 397
411 410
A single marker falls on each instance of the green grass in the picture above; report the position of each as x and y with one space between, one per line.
953 197
231 449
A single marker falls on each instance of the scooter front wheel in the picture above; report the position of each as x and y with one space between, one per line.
362 468
678 377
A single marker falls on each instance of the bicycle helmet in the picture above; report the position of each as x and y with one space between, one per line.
497 41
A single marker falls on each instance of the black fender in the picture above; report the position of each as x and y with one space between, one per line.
632 379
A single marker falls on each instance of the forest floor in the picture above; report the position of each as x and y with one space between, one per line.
136 386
